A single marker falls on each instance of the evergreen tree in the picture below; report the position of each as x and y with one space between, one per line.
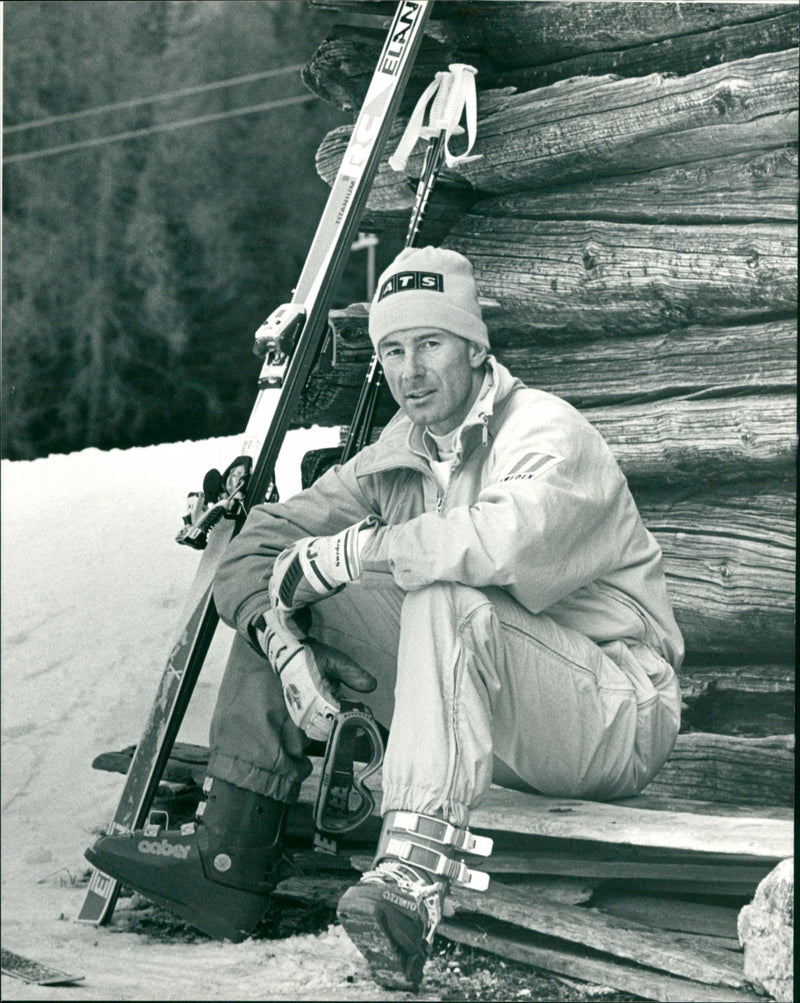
137 271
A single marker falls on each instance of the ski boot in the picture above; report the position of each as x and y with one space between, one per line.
392 913
216 872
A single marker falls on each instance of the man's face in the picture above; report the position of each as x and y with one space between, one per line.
434 376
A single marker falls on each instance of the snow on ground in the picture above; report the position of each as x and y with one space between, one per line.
92 584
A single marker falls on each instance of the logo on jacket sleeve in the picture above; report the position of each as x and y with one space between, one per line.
403 282
528 467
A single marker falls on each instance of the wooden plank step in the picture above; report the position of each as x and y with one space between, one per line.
672 914
666 951
762 833
519 946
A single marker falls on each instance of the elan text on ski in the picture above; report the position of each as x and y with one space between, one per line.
481 578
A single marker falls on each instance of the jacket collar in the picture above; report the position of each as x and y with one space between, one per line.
401 445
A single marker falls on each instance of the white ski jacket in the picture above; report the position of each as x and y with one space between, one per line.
536 504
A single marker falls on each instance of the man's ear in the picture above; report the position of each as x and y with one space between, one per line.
477 354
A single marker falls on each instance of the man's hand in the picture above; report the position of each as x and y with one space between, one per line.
316 567
311 674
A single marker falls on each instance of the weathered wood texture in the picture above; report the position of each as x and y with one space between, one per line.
753 187
755 771
521 33
767 833
739 699
570 278
672 914
730 564
682 54
525 34
340 70
714 361
595 126
590 127
518 946
680 440
671 952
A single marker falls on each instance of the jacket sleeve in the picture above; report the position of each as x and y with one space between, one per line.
241 586
553 515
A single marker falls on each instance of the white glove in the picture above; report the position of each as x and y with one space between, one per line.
315 567
310 674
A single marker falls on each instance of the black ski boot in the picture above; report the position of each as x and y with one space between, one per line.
392 913
217 872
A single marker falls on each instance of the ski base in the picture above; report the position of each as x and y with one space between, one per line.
33 971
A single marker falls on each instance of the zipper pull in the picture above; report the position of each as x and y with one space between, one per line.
485 429
439 500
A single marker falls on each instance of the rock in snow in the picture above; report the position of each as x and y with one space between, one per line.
766 931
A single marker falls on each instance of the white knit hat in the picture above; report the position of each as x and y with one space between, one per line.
427 287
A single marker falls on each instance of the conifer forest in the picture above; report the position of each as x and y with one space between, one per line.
159 197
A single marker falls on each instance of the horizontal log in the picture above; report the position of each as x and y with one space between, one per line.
681 440
756 700
755 771
595 126
517 32
594 279
591 127
601 970
681 54
752 187
755 187
717 361
663 950
525 34
729 558
340 70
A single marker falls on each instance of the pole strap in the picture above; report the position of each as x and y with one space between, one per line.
450 95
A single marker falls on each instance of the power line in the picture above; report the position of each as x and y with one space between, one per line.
166 96
52 151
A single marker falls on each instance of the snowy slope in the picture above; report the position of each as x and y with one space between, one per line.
92 583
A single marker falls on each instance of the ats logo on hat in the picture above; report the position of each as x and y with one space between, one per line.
406 281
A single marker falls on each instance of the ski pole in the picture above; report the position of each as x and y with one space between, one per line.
451 95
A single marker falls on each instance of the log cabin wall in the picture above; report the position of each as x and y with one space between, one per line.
632 223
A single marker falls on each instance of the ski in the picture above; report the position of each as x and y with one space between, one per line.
34 972
291 339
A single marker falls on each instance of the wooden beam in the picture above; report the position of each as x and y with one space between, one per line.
340 69
600 126
757 700
601 971
754 187
756 771
718 874
754 834
568 279
592 127
526 34
680 54
661 949
672 914
730 564
682 440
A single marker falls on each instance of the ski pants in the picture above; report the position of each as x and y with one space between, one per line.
475 689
